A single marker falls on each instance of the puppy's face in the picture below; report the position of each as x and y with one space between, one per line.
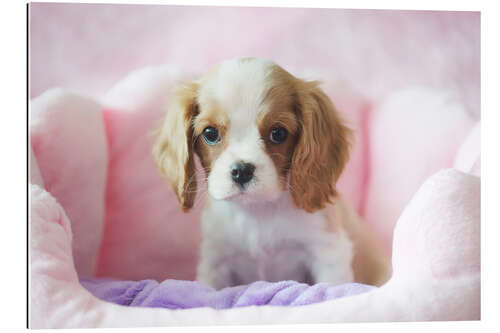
246 130
258 131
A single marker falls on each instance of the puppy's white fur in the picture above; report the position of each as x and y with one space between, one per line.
239 92
270 242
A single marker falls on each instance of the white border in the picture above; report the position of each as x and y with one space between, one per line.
13 161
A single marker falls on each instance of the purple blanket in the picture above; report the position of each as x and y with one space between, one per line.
177 294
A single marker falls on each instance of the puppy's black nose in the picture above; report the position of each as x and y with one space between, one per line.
242 172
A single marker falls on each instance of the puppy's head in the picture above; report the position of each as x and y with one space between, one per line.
258 132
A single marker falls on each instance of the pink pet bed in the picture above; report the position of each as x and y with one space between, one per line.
100 209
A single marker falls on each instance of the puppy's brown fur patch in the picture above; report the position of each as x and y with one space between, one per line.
322 149
318 145
210 115
280 100
173 150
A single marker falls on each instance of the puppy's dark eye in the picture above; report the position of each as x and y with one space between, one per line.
211 135
278 135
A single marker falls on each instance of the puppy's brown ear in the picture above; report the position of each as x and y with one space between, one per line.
173 149
322 148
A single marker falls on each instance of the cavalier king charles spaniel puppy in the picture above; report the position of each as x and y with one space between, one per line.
272 147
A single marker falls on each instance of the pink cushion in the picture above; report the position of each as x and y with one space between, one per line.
69 143
141 208
414 133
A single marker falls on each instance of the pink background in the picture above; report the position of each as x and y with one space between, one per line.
89 47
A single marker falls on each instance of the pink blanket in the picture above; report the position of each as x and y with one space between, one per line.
99 207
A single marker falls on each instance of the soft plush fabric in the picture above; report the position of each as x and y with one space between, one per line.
180 294
69 143
101 163
427 138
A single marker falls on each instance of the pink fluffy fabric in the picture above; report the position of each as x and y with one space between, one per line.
68 139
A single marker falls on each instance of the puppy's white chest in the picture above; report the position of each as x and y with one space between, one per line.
285 261
268 243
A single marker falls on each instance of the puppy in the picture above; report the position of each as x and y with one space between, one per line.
272 147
